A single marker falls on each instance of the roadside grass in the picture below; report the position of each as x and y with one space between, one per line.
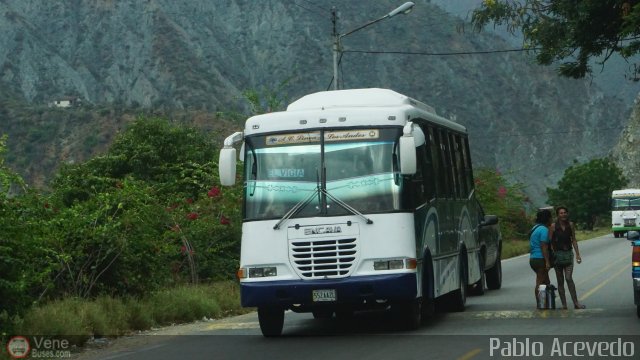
590 234
515 247
80 319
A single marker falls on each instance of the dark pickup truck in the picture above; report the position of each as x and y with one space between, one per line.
490 239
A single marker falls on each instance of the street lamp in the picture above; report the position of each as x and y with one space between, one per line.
337 47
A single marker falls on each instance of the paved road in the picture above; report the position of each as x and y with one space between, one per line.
495 325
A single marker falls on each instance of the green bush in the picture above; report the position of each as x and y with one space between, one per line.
111 315
139 315
144 216
507 201
79 319
183 304
58 318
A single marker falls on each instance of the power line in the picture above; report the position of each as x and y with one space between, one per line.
311 10
439 54
551 132
317 6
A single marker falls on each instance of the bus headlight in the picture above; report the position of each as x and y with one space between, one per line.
394 264
258 272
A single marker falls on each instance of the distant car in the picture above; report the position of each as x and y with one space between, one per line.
634 236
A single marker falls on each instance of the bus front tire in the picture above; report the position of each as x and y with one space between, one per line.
271 320
322 313
409 314
428 308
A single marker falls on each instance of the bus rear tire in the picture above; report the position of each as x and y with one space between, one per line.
459 297
271 320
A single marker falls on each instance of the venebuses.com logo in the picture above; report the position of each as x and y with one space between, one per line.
19 347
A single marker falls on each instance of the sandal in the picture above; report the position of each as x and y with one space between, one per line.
579 307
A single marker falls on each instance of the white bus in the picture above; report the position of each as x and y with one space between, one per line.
625 211
357 199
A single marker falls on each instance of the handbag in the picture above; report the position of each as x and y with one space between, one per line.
563 257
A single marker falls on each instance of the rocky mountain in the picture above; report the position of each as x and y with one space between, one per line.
201 55
626 152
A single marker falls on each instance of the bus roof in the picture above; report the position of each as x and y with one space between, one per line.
625 193
347 108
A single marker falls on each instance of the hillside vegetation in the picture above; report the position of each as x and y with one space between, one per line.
145 215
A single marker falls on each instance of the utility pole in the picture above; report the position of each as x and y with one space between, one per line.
337 45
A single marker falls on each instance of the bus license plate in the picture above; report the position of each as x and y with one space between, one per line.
324 295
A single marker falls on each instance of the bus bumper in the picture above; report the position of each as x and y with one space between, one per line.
352 290
625 229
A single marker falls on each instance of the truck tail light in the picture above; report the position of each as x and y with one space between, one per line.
635 256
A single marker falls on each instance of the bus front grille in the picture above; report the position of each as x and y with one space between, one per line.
323 258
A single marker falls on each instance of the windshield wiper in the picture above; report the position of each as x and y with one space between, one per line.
319 191
346 206
296 208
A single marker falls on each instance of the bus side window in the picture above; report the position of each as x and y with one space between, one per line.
468 169
440 170
428 171
419 177
462 192
448 168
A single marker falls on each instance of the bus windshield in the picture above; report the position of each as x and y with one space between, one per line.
626 204
283 170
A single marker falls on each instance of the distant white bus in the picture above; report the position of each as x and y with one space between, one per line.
359 199
625 211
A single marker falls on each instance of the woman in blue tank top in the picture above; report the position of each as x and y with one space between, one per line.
539 249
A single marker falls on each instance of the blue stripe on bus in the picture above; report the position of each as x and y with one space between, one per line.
348 290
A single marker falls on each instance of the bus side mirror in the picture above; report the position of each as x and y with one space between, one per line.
227 166
408 159
489 220
633 235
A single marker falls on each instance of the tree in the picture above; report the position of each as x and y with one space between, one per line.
176 159
568 30
267 100
586 188
506 200
24 264
145 213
